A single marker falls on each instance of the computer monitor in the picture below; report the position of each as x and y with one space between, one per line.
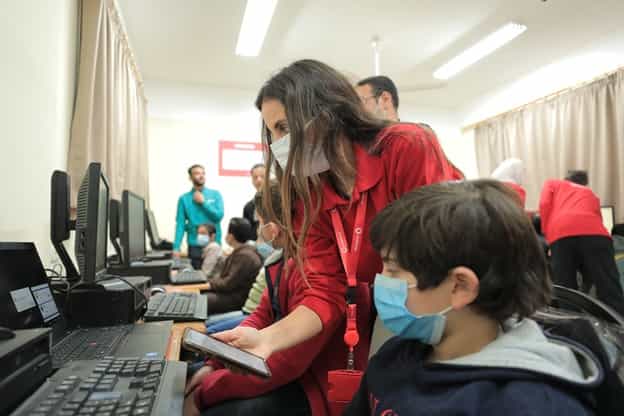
114 220
608 217
152 229
92 224
133 230
25 297
60 223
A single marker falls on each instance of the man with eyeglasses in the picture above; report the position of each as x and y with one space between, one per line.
379 96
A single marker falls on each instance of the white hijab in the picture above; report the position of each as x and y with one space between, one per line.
510 170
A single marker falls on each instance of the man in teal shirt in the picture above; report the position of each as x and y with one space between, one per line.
199 206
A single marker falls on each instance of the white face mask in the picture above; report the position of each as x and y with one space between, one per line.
317 163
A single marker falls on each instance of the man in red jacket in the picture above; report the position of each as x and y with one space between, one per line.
572 225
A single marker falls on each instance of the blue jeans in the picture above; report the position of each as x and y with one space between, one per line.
225 324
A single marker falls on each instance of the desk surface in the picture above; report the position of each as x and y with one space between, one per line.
175 340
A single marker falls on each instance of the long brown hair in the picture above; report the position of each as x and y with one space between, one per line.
322 109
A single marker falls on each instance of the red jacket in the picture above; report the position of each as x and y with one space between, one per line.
405 157
567 210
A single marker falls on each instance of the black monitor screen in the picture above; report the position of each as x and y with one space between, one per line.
152 227
25 297
102 228
136 226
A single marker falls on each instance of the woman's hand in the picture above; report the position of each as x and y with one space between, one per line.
190 409
248 339
197 379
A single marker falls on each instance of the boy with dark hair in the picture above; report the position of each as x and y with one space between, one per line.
572 225
463 272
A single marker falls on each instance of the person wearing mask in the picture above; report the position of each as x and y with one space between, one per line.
460 309
572 224
200 205
227 292
299 374
257 173
212 254
337 166
380 97
511 173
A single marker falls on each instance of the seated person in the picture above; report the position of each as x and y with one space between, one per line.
212 255
228 291
298 385
463 272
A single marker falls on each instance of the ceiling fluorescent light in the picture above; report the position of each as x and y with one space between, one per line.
258 14
479 50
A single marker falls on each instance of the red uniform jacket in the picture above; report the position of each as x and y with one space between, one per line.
405 157
568 209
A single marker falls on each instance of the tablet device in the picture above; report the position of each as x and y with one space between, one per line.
205 344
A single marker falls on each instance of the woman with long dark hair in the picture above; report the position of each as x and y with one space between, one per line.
337 167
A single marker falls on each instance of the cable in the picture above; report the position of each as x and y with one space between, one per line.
56 273
110 277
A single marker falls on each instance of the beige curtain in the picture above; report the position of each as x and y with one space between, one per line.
109 124
582 128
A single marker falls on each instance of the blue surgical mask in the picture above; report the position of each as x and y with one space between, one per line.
203 240
390 299
265 249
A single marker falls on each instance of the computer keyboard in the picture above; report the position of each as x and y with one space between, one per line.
186 277
179 264
89 343
177 307
112 386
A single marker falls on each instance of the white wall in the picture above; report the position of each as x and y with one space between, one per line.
37 76
185 126
458 148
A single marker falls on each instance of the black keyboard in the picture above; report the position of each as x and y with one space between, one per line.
186 277
177 307
112 386
89 344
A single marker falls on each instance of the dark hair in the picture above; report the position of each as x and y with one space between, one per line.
379 84
276 202
212 230
579 177
256 166
321 101
477 224
190 170
240 228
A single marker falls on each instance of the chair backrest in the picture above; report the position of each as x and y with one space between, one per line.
380 335
576 301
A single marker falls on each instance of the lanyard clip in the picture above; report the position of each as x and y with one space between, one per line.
350 359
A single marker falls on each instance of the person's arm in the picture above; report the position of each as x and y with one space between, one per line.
214 209
286 366
180 225
545 206
242 270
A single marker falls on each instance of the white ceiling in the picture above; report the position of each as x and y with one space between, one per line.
193 41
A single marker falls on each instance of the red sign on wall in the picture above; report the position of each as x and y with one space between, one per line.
237 158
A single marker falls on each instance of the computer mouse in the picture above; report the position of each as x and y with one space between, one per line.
6 333
187 270
157 289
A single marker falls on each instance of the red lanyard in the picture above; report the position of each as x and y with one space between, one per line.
350 258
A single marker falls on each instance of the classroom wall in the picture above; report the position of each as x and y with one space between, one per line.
187 121
37 80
